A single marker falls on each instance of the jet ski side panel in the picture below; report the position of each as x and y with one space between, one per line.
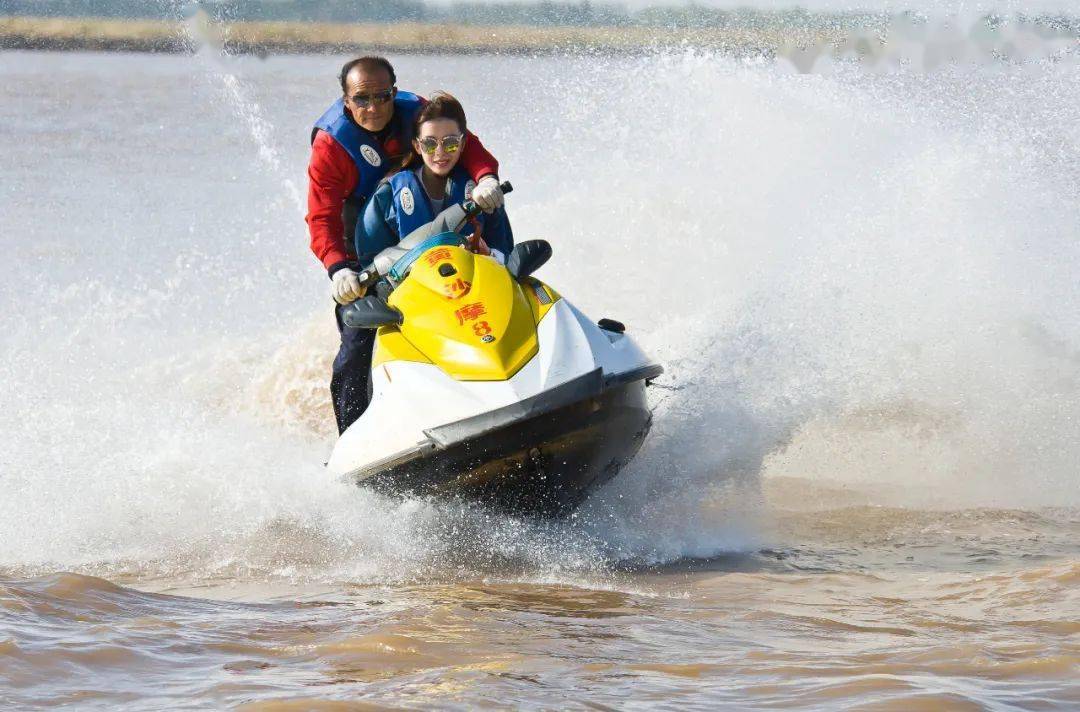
412 397
537 442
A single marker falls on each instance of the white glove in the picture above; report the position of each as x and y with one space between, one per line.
346 286
487 195
500 257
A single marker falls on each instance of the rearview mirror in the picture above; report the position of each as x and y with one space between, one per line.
370 313
527 257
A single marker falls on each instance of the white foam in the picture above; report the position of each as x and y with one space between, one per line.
850 275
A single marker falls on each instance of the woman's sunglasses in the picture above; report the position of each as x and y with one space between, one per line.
450 143
366 100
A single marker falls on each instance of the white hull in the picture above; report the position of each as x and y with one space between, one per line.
411 399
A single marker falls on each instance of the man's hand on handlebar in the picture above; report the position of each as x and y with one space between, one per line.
346 287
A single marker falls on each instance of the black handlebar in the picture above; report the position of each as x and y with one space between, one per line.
368 277
472 209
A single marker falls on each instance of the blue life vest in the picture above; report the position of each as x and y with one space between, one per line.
411 206
368 155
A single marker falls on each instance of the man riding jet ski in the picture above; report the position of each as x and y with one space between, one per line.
359 139
486 382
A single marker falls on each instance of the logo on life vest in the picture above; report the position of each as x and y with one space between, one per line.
371 155
469 188
407 203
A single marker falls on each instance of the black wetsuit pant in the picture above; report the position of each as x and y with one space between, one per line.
350 385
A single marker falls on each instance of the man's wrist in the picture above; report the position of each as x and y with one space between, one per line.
338 266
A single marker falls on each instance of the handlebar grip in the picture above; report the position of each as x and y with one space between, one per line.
368 277
505 187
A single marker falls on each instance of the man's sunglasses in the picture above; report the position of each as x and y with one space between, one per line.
450 143
366 100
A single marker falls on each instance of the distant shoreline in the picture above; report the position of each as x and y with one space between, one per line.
268 38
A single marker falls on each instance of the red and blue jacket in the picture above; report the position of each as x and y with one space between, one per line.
347 163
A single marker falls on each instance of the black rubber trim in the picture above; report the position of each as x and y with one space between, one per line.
612 325
646 373
585 386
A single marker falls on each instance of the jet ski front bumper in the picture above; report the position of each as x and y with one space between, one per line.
540 455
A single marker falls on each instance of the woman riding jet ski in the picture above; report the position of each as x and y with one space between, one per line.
486 383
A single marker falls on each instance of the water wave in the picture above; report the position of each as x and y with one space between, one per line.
852 277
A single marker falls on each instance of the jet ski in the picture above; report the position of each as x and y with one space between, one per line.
487 384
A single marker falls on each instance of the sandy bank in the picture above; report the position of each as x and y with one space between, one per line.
287 37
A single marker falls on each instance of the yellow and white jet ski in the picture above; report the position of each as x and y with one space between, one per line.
487 383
